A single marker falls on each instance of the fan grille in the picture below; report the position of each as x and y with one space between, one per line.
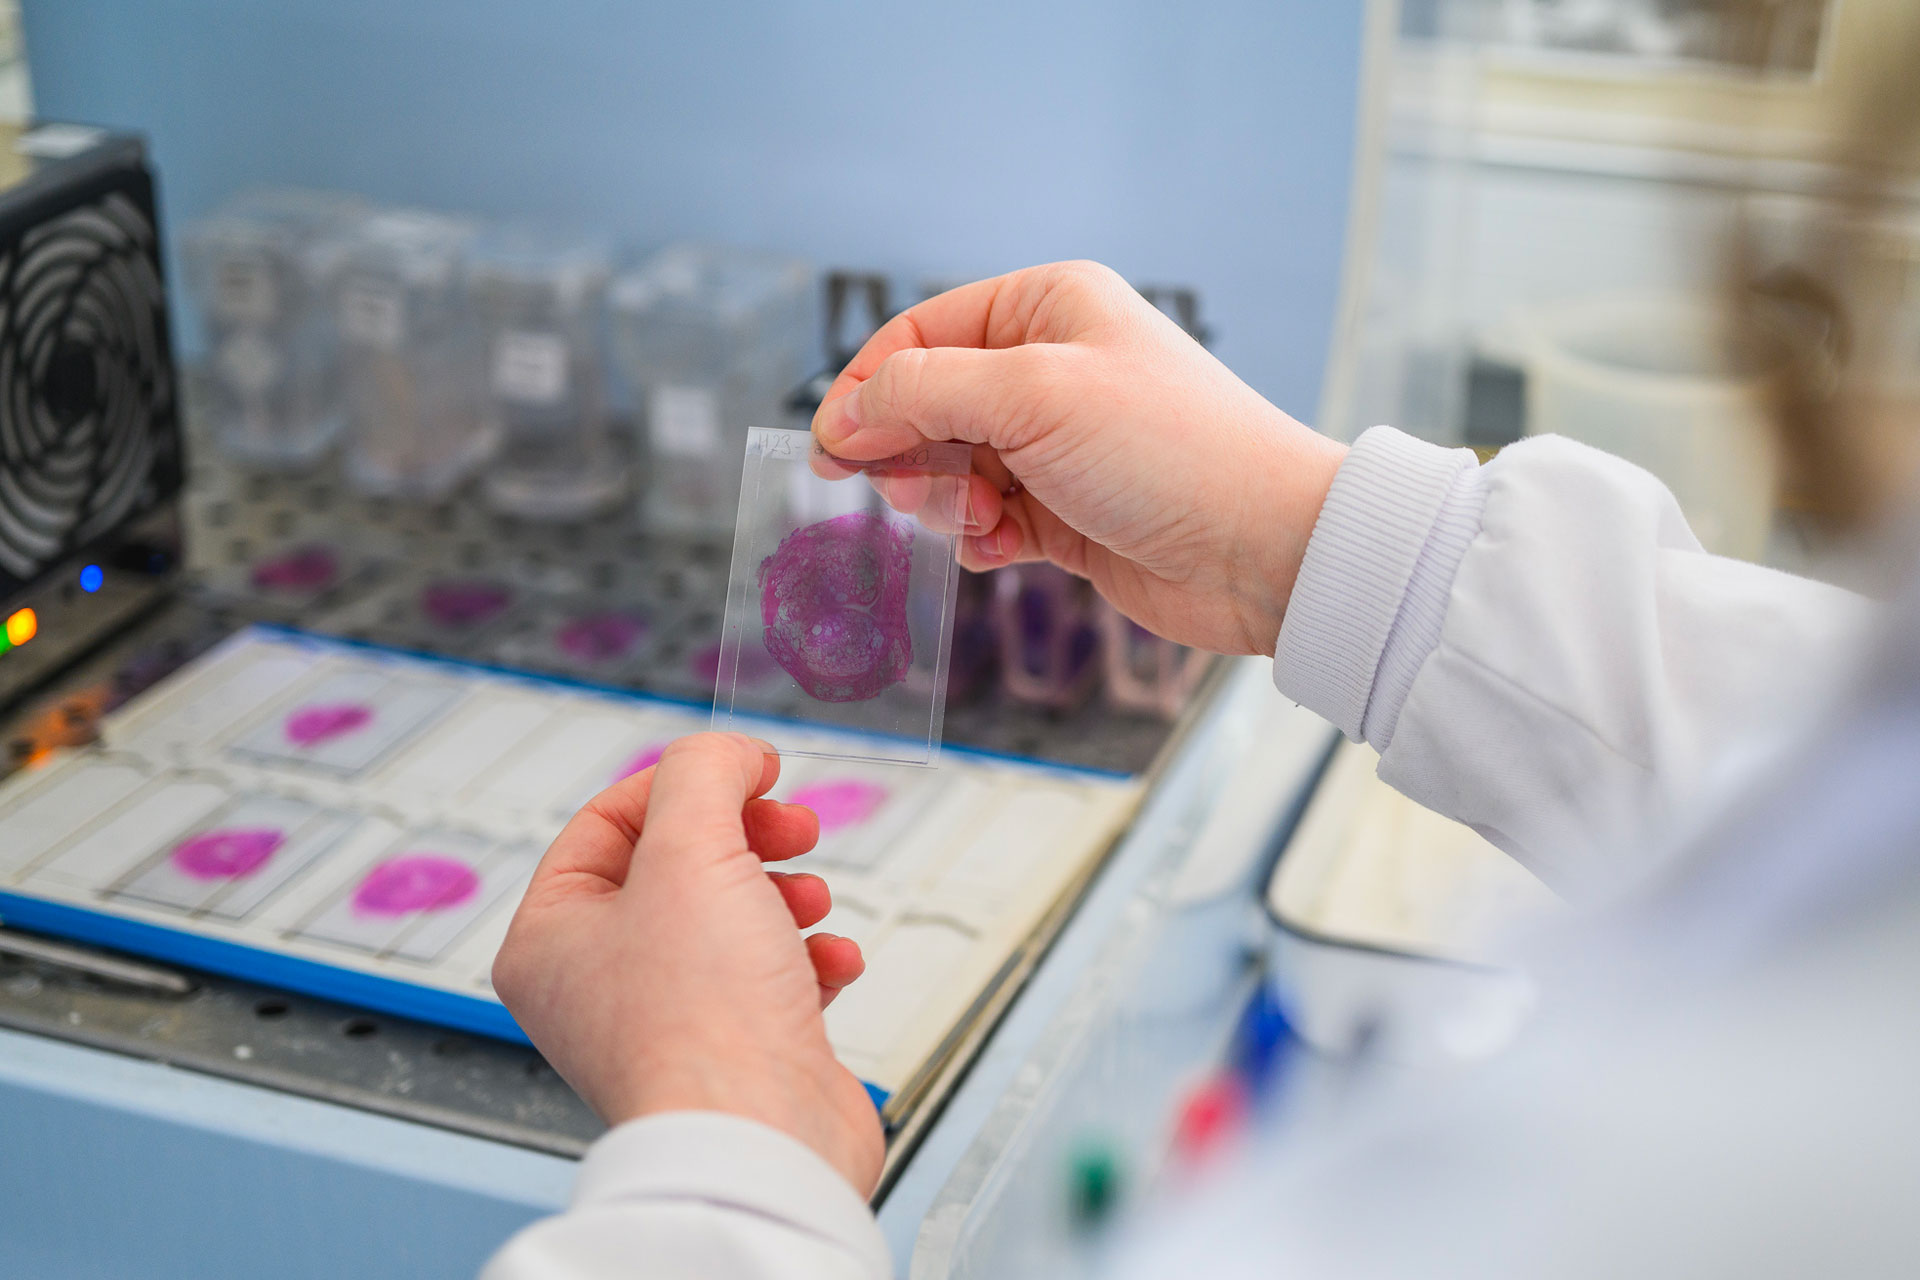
86 387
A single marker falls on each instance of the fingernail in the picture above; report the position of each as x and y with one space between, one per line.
970 519
838 419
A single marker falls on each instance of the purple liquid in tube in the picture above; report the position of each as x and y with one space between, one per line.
1045 608
833 602
227 853
841 804
415 882
311 726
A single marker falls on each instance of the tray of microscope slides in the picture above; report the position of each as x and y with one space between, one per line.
358 823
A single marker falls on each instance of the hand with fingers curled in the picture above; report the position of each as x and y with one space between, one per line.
660 966
1105 440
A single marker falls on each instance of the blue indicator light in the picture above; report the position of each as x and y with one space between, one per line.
91 578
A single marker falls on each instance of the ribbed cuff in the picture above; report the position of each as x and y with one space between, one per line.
1381 515
727 1160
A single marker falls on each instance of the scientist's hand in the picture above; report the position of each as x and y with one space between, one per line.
659 967
1106 440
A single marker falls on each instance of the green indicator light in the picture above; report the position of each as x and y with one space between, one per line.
1094 1182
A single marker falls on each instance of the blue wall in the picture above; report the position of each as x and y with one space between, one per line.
1186 143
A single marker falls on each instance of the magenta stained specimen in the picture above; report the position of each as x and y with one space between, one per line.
302 569
846 803
833 601
415 882
645 760
227 853
311 726
458 605
600 637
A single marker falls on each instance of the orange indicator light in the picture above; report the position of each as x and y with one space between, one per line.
22 626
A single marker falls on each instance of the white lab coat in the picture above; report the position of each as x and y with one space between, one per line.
1721 1079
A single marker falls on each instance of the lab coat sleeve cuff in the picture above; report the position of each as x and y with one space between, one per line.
730 1162
1395 503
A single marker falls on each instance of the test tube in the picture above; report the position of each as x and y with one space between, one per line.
712 339
1048 642
410 357
538 299
1144 672
262 269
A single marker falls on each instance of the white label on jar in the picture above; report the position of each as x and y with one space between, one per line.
243 292
370 313
529 368
685 421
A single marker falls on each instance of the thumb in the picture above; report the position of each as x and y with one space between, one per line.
694 809
990 397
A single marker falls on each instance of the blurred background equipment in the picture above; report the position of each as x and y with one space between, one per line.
90 459
1548 213
1666 382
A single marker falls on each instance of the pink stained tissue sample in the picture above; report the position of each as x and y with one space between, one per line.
833 602
302 569
842 804
415 882
600 637
227 853
645 760
459 605
323 722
